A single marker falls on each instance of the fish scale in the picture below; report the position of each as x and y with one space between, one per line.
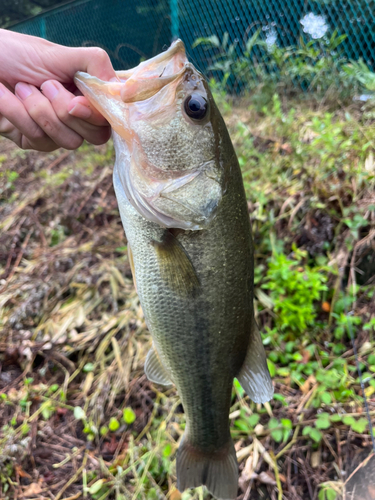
195 286
193 334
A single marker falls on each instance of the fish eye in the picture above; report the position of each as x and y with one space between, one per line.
196 106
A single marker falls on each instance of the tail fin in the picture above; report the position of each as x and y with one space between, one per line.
217 471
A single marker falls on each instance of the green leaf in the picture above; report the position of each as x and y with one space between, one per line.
348 421
306 430
128 415
167 450
316 435
212 41
277 435
25 429
330 494
283 372
336 418
96 487
242 425
238 386
273 423
326 398
322 495
285 422
271 367
114 424
323 423
360 425
79 413
280 397
254 419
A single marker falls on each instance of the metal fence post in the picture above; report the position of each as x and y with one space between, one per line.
42 27
174 19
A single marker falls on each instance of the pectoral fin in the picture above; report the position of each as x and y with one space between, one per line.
254 375
175 266
155 370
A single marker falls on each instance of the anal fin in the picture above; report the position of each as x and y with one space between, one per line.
155 370
254 376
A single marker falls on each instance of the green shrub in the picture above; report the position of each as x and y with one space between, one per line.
294 287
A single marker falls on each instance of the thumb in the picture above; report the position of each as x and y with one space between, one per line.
92 60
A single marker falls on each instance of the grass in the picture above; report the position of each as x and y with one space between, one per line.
78 418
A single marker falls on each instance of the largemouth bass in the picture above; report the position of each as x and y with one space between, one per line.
183 207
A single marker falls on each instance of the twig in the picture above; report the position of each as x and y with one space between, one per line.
296 432
74 478
277 477
74 497
18 259
362 464
58 160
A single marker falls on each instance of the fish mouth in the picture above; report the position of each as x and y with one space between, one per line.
134 85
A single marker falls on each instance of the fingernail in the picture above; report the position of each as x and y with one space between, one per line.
23 90
80 111
2 91
49 90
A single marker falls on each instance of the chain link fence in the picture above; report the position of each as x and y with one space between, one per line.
132 30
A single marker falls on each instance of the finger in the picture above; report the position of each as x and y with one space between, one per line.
61 99
81 108
17 125
8 130
92 60
42 112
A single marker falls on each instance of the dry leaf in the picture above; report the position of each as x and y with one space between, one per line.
21 472
326 307
306 355
267 478
287 148
175 495
315 459
369 162
309 382
32 490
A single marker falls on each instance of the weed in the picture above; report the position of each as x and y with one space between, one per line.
71 323
294 289
314 65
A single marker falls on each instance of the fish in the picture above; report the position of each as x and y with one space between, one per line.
184 211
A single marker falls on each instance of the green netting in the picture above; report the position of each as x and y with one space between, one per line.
134 29
127 30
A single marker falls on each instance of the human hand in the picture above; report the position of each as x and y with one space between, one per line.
54 117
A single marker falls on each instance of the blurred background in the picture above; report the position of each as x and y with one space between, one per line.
244 41
295 83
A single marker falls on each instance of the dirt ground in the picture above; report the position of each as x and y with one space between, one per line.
72 335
